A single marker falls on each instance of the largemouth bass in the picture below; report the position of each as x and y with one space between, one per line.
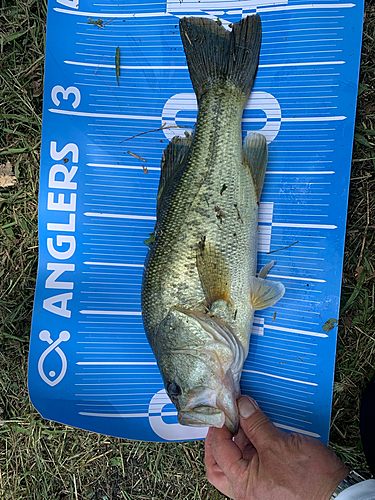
200 288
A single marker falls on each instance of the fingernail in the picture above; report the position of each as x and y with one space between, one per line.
246 407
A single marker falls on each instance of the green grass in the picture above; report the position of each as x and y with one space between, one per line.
355 363
40 459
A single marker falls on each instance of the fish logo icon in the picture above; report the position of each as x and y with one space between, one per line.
45 336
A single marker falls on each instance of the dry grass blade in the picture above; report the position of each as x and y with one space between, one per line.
356 343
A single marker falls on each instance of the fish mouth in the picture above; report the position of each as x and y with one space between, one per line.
211 409
203 416
207 416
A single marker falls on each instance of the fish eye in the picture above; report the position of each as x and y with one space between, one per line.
173 389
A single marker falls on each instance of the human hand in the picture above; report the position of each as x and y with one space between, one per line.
265 463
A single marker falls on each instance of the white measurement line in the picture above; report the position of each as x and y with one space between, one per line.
297 172
110 283
275 65
114 313
112 16
118 415
290 320
330 97
104 115
295 161
304 226
117 353
259 355
299 30
90 343
296 278
276 54
263 344
313 118
120 216
123 377
273 385
303 41
159 118
93 404
116 363
122 245
282 407
129 415
283 369
310 18
295 429
294 311
270 413
279 377
113 66
293 330
108 165
162 99
304 76
270 393
315 63
308 6
112 264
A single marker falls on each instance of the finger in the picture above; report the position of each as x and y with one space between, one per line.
214 473
227 454
217 478
258 428
247 448
208 456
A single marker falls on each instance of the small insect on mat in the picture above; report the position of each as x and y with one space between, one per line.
117 91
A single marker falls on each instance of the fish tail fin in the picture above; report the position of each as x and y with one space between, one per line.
215 55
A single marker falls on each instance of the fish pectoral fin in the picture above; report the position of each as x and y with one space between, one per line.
214 274
255 150
173 163
265 293
266 269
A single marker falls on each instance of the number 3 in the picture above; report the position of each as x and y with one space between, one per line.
58 89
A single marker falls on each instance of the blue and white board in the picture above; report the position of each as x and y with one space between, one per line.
90 364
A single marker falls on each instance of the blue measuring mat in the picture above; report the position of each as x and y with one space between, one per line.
116 90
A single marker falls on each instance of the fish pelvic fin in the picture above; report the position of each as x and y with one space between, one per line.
215 55
255 150
265 293
213 272
174 160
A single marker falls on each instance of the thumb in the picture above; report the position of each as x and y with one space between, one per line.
256 425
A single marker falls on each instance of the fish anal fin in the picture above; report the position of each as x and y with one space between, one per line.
173 163
214 274
255 150
265 293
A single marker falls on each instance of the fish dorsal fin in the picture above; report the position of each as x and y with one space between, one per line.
214 274
265 293
172 165
256 153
